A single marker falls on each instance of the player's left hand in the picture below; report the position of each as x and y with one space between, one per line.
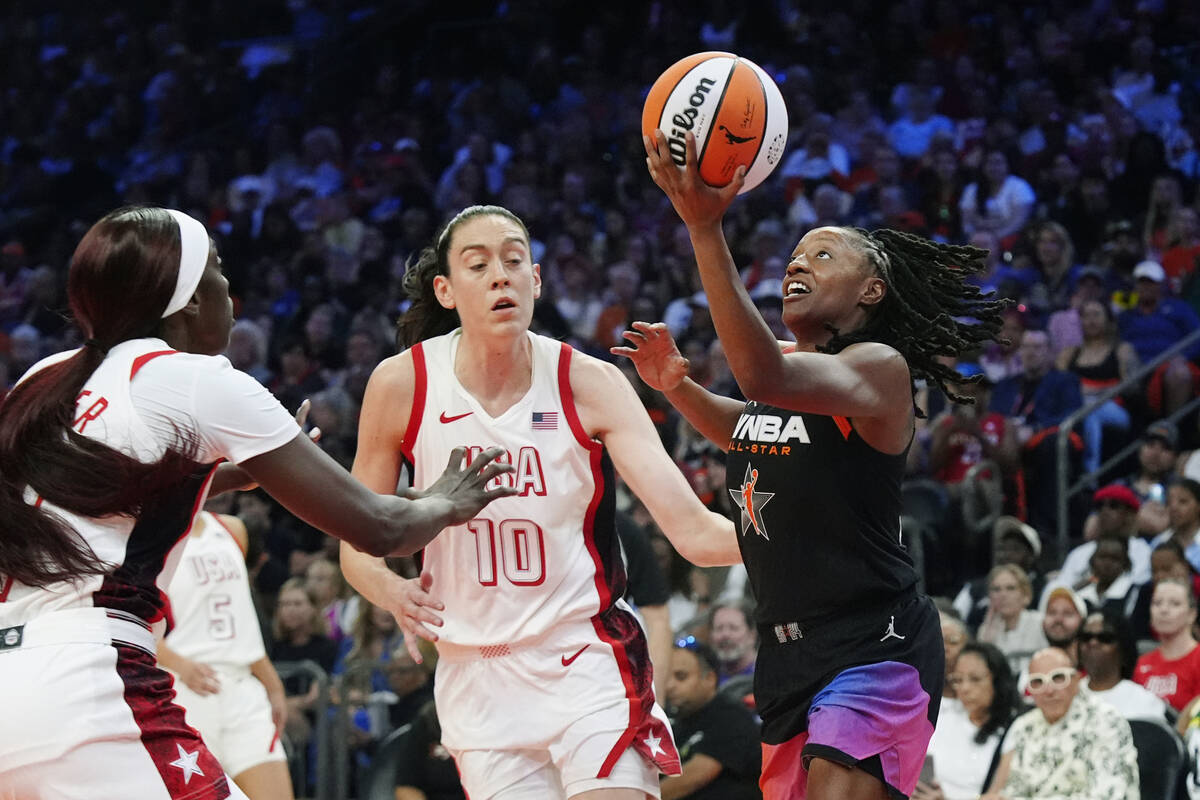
697 203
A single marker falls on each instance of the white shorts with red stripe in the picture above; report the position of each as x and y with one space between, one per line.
235 722
86 713
568 714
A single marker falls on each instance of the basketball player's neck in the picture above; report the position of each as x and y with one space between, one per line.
497 372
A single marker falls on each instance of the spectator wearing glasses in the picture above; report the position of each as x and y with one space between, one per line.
1108 652
718 737
1172 670
1070 746
1116 508
965 747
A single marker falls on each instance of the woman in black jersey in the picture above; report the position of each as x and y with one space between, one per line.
1102 361
850 665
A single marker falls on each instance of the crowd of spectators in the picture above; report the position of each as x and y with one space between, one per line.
324 141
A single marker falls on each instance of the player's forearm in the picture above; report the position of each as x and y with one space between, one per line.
706 539
750 348
169 659
710 414
658 641
369 575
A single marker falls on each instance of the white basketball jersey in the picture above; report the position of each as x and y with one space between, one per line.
213 611
545 556
230 415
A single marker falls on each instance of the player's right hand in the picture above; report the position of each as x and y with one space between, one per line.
655 355
414 608
466 489
200 678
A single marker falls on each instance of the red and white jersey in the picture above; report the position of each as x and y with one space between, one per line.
140 400
546 556
215 620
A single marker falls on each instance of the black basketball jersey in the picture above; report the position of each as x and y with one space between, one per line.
819 525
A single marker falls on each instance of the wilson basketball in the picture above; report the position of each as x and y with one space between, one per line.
731 105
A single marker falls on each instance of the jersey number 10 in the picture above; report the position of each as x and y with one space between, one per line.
522 551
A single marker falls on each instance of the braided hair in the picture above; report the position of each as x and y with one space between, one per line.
426 317
929 309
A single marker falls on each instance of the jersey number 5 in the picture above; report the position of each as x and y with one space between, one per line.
522 551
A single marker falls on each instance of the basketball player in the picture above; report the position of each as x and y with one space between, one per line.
543 678
850 664
226 684
106 454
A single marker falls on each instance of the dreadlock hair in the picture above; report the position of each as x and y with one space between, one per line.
426 317
929 309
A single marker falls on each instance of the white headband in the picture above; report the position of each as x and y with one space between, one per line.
193 257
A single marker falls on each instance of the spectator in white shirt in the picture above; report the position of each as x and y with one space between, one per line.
1009 624
1108 653
999 201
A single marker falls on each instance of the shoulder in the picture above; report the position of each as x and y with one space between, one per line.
591 377
876 355
236 528
395 372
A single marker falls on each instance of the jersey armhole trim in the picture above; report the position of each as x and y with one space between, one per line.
420 384
567 398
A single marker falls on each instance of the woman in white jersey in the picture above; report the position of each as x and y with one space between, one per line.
543 678
106 454
227 686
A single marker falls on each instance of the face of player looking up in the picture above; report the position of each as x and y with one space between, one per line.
828 281
493 281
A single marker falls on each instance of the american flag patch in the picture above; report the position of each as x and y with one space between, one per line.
545 420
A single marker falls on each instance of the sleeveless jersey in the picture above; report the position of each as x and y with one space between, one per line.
819 509
215 621
227 413
546 556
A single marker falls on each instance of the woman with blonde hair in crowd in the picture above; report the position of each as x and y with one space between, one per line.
1010 624
1054 254
299 633
336 601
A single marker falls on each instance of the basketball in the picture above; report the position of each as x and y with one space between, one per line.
731 105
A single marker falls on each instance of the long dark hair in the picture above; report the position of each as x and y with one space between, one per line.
1006 700
426 317
929 309
121 278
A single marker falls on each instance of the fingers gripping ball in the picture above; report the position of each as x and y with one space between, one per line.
731 105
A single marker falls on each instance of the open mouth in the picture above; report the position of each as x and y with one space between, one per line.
502 304
795 288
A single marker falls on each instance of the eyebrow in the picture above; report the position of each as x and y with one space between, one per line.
507 241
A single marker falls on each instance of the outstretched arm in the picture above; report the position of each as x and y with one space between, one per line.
610 411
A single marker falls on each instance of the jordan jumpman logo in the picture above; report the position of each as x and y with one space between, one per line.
890 633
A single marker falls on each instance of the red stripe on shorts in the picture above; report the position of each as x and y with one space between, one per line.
187 768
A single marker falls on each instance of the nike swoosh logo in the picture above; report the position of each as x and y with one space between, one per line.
567 661
443 418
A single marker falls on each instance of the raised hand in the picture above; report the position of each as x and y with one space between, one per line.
697 203
654 354
466 489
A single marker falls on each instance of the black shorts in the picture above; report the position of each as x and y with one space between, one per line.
861 689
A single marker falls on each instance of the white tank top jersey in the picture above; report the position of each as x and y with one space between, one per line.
545 556
215 620
140 400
